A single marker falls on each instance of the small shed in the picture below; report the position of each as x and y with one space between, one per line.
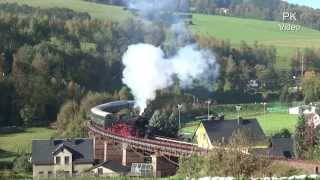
110 168
282 148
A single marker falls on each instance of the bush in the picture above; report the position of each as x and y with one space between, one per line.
226 160
22 164
283 133
282 170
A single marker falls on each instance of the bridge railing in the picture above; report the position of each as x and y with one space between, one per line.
149 144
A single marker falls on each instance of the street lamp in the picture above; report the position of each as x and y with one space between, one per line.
179 109
238 108
264 107
209 102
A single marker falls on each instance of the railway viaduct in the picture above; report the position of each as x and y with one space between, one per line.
161 152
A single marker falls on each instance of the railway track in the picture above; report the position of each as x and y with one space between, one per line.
159 145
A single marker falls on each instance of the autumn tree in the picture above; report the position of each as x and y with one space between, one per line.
311 86
73 116
307 139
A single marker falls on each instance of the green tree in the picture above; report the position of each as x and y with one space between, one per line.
27 113
164 123
22 164
283 133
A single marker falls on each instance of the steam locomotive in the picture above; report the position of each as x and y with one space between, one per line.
119 117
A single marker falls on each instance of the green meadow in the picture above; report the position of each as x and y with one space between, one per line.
271 123
264 32
19 141
95 10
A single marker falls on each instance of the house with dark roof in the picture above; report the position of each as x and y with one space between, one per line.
282 148
213 132
52 158
110 168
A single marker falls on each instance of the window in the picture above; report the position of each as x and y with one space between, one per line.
66 160
41 173
58 160
49 173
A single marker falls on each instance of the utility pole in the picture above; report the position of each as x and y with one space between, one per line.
302 66
264 108
179 110
209 102
238 108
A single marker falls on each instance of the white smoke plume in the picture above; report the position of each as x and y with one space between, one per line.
147 70
145 7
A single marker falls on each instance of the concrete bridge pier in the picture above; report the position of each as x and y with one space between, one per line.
124 154
104 149
129 156
162 167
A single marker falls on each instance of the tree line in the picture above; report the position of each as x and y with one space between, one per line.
52 58
45 54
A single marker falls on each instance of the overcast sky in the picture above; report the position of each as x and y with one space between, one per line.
312 3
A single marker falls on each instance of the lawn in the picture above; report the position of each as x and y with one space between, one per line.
95 10
15 142
273 122
250 30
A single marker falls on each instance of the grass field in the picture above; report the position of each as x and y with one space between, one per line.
221 27
249 30
15 142
95 10
271 123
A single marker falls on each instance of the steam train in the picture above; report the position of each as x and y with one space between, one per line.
119 117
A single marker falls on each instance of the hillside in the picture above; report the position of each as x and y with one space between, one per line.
265 32
221 27
95 10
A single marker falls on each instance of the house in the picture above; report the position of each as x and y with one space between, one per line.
52 158
220 131
282 148
110 168
305 109
253 84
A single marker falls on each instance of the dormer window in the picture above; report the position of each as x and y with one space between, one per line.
66 160
58 160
